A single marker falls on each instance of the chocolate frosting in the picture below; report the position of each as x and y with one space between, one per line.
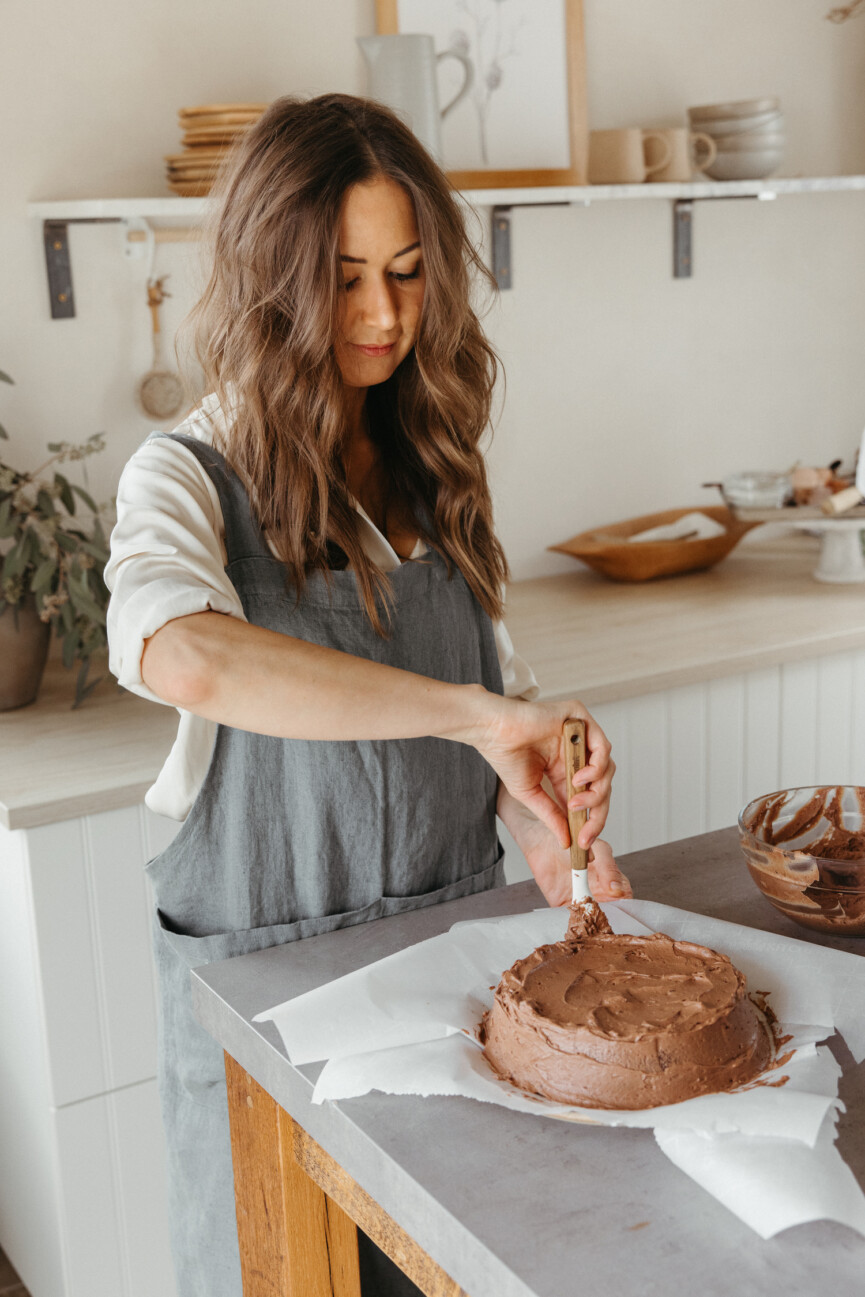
586 919
624 1022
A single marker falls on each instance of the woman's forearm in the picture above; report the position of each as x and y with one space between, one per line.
255 679
258 680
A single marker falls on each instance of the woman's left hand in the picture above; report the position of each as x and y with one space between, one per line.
550 865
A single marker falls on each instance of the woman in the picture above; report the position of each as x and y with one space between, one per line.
307 569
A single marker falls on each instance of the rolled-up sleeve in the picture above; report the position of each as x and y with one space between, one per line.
518 678
167 554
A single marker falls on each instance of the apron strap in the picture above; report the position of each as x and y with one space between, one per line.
243 535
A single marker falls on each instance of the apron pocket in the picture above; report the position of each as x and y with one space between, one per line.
483 881
195 951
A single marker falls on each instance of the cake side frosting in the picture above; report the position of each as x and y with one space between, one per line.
624 1022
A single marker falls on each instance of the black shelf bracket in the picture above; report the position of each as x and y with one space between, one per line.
683 227
501 244
501 241
683 222
58 264
55 235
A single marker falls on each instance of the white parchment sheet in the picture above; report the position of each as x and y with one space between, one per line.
406 1025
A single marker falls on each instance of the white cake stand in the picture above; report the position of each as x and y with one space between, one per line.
841 559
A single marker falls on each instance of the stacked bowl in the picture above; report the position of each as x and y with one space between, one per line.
749 135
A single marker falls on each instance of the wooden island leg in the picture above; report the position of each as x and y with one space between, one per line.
297 1209
294 1240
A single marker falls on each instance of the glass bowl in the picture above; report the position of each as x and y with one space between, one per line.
805 850
757 490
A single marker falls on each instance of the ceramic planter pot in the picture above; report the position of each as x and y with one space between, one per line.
23 653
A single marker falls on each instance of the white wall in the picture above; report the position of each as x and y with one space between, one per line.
626 389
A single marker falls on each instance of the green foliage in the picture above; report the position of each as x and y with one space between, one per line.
47 550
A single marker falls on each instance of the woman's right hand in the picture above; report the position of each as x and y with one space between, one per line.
522 741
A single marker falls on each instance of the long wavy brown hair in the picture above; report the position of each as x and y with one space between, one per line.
264 330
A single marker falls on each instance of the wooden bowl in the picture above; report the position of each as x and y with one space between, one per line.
608 551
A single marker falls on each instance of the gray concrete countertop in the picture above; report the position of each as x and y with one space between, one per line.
511 1205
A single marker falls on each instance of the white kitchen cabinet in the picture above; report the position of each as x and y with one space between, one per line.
82 1187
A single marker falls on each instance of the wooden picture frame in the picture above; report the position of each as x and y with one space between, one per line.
387 23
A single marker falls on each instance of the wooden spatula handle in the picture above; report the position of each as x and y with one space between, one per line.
574 732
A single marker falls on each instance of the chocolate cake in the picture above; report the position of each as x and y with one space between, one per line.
606 1021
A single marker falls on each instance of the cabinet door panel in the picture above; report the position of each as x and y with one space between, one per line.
112 1174
122 929
67 958
29 1219
91 1241
92 913
142 1209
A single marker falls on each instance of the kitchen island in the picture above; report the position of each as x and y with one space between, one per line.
713 687
471 1197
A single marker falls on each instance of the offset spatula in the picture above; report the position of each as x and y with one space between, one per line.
575 758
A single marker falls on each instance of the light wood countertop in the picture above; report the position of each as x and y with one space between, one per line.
601 640
583 636
57 764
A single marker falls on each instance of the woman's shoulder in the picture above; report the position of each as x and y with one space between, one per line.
163 452
206 422
165 470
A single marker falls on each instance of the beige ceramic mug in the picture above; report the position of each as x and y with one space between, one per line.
619 157
689 151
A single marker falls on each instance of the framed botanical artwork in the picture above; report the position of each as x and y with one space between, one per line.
524 120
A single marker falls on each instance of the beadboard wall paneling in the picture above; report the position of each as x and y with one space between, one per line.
762 718
799 725
834 692
687 796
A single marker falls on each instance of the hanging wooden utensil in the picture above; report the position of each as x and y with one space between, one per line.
160 391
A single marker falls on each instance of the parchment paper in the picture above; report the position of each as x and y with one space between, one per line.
407 1025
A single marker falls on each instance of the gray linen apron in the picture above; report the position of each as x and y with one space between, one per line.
290 838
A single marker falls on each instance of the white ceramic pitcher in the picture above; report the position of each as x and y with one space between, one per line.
402 74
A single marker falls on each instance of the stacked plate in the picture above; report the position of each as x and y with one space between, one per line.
749 135
208 132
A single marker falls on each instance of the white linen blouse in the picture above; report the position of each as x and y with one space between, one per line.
168 560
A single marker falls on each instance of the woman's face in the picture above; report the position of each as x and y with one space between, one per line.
383 282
